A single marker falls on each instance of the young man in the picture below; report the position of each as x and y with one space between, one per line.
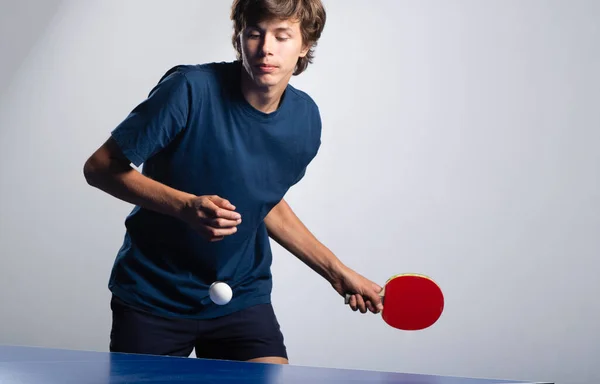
221 144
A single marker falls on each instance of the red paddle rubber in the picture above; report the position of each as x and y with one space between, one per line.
412 302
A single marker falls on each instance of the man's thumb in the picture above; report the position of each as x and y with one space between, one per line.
374 296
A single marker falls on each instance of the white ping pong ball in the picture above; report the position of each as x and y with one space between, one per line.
220 293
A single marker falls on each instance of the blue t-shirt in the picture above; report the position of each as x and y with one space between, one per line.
196 133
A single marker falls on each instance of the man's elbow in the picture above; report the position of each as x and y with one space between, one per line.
99 167
105 162
91 171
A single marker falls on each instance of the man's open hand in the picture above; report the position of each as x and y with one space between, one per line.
211 216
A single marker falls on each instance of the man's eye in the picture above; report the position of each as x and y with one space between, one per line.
282 38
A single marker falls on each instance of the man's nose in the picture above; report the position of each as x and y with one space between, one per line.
267 45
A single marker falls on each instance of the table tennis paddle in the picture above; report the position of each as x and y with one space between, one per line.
410 302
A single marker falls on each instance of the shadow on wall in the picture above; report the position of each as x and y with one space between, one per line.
22 24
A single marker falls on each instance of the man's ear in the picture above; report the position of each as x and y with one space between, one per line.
305 50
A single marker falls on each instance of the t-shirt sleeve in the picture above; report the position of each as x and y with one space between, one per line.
315 139
157 120
300 176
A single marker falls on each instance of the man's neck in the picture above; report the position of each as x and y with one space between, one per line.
265 99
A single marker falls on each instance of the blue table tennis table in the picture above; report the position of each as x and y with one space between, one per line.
35 365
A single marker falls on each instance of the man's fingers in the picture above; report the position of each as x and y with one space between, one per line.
370 306
374 298
367 302
223 203
216 234
223 223
353 303
221 232
360 303
213 210
226 214
357 303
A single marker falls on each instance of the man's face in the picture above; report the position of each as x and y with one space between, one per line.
270 51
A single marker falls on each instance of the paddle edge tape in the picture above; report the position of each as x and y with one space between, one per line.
382 293
409 274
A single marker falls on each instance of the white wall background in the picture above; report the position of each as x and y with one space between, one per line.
460 140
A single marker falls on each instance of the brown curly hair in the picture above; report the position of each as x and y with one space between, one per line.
309 13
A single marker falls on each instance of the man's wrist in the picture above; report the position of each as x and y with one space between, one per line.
181 205
334 270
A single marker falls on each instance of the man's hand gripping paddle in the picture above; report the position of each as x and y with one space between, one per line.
410 302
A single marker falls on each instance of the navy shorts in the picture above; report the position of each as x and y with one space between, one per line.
244 335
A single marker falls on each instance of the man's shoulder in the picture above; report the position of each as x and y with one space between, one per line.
300 97
203 73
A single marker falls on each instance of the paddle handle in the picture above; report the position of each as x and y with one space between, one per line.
348 296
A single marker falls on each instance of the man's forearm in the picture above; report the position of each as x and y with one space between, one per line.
287 230
125 183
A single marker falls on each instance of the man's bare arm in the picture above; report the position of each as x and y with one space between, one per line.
110 171
287 230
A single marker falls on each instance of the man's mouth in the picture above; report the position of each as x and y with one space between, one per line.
266 67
